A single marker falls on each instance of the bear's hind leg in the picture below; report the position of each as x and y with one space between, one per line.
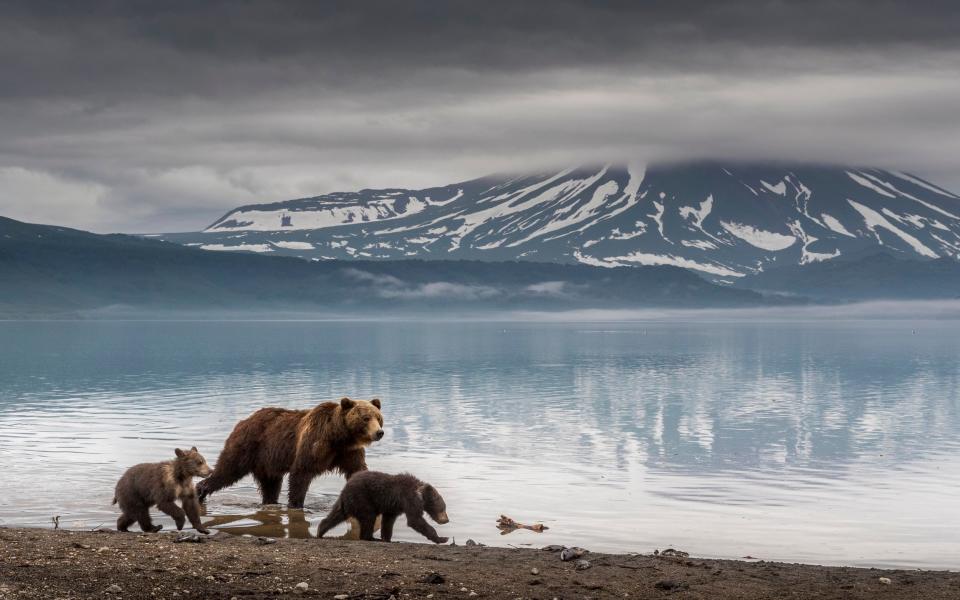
146 525
174 511
367 525
269 488
125 521
336 516
386 527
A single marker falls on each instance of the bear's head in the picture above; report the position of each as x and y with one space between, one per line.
363 419
192 463
433 503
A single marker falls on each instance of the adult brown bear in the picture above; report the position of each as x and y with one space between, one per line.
305 443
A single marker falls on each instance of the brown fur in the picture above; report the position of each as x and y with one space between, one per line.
304 443
162 484
370 494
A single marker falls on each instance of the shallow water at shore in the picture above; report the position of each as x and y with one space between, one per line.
824 442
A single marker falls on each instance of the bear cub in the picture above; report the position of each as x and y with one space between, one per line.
371 493
162 484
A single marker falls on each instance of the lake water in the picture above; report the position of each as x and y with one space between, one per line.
824 442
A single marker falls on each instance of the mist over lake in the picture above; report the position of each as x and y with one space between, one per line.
818 441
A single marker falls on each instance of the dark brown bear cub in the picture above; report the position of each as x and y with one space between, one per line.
162 484
371 493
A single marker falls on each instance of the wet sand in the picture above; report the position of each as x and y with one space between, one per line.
43 563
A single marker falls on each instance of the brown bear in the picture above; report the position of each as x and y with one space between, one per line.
162 484
370 494
305 443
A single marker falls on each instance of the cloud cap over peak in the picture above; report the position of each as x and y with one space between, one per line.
161 115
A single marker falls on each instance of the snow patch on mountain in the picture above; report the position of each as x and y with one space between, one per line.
835 225
239 247
644 258
869 185
580 214
894 189
293 245
924 184
874 219
765 240
779 189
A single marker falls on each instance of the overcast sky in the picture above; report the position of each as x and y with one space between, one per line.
160 116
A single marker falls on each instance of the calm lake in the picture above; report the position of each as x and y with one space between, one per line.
820 441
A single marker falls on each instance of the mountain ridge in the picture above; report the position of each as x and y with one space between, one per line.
48 270
724 220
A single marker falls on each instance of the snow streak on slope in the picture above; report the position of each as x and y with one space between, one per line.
721 220
874 219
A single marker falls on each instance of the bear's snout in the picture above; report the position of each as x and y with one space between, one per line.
378 435
442 518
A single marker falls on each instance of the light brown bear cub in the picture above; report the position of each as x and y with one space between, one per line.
162 484
370 494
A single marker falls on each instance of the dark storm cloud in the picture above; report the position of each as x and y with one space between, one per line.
161 115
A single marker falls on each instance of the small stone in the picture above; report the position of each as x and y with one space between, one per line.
463 589
434 577
81 546
582 565
473 594
341 597
568 554
301 587
114 589
265 541
670 584
552 548
884 581
534 571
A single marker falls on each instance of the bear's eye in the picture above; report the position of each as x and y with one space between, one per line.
366 419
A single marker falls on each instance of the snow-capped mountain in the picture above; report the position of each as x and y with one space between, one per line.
724 221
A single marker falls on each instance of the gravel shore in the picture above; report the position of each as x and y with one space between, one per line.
39 563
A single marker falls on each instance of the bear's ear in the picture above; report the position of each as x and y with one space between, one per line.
346 403
376 402
194 449
179 452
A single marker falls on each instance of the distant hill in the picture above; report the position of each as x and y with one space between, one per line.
49 270
874 276
724 220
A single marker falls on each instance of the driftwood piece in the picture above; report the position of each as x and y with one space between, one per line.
507 525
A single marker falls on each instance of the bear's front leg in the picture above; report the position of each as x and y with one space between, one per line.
420 525
192 507
174 511
352 461
299 484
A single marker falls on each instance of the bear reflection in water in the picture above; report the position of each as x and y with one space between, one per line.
275 522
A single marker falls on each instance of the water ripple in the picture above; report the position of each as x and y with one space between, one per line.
830 443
